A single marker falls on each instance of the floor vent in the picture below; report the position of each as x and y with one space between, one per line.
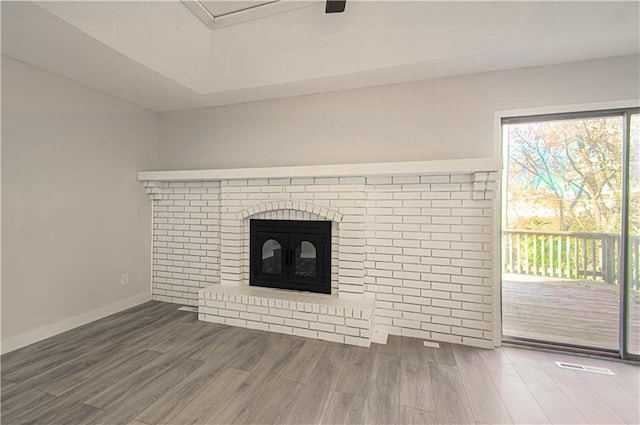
189 308
584 368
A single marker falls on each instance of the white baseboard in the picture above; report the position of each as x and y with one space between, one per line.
44 332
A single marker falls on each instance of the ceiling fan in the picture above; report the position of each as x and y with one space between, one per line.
335 6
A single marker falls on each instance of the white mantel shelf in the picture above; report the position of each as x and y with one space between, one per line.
447 166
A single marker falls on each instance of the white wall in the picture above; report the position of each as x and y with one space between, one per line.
434 119
74 217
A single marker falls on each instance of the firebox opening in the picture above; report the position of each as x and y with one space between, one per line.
289 254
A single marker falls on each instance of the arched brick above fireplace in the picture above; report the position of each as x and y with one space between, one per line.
326 213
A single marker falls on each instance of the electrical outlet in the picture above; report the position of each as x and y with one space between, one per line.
124 279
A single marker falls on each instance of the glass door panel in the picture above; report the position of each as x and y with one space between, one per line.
270 261
633 264
308 251
561 230
305 259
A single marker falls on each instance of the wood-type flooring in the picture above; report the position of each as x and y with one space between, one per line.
153 364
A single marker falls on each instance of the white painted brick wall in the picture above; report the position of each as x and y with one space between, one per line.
421 246
186 239
429 247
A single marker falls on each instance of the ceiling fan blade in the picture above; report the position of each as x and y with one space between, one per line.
335 6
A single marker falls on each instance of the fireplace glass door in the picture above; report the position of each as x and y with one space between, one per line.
291 255
271 255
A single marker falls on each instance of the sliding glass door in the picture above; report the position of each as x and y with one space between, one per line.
631 301
571 213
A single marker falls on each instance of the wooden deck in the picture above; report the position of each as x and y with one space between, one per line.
568 311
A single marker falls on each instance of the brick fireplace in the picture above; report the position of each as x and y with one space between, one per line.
412 249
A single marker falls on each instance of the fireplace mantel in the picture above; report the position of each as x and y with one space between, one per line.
448 166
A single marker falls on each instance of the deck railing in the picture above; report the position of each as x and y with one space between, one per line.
568 255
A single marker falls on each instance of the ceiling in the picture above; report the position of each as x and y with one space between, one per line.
159 55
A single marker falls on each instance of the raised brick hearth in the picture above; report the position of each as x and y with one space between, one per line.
417 249
303 314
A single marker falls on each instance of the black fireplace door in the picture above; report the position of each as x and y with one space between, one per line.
291 255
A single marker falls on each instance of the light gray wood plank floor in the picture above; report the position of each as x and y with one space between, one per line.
154 365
